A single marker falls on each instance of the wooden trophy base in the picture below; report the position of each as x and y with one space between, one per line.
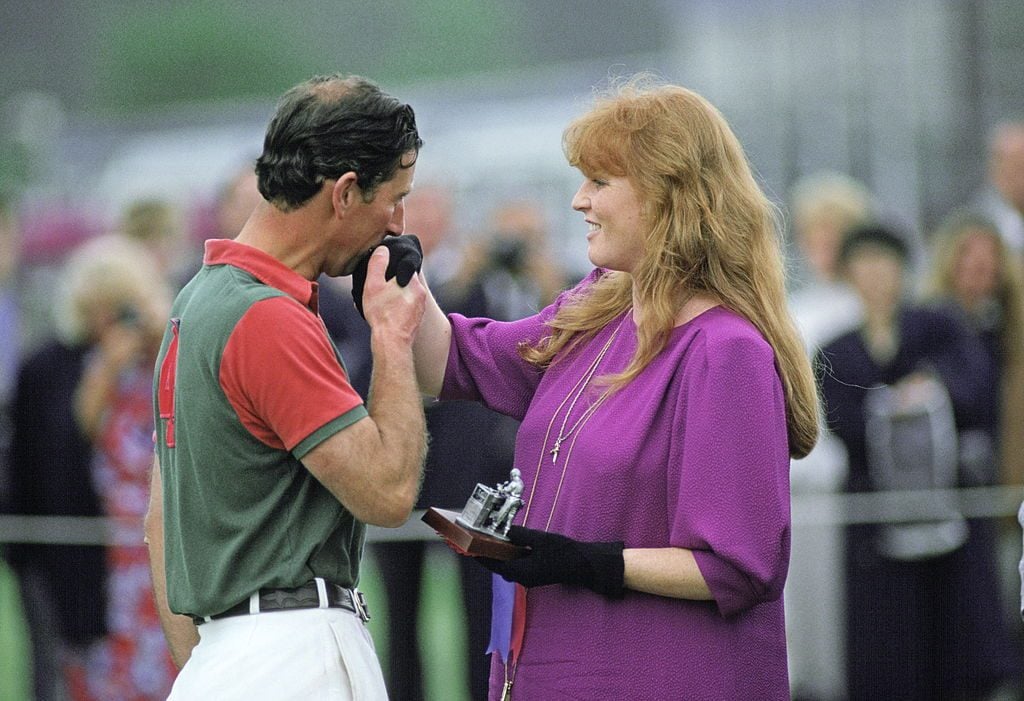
467 540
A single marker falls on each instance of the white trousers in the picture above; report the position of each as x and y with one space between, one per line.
301 654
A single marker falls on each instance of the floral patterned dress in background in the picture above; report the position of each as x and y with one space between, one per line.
133 662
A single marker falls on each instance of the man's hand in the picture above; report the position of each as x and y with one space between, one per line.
405 261
392 311
374 467
556 559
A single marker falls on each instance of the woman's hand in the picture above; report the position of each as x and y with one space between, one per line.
557 559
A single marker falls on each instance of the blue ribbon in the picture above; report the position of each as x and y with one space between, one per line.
503 594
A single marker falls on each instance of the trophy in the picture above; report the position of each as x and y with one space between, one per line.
481 529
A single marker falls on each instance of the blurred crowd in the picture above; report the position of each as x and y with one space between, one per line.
918 339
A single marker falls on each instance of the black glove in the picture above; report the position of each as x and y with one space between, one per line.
406 259
556 559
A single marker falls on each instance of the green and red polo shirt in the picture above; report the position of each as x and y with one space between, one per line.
247 382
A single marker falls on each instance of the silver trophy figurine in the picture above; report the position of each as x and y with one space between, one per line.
490 510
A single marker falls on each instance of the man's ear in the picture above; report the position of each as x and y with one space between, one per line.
344 193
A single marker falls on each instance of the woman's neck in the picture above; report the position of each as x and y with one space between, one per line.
881 334
695 305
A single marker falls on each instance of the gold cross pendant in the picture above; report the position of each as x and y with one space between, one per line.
554 451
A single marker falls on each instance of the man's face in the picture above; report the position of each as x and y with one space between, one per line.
367 223
976 271
876 273
1007 166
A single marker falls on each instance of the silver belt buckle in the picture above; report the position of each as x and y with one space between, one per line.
359 603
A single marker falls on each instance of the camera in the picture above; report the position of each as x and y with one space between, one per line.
128 315
508 253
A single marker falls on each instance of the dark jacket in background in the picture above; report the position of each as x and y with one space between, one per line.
934 627
50 475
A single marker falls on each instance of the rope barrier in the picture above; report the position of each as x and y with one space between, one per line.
808 510
841 509
85 530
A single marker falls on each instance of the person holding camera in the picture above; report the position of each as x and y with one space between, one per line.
509 273
82 447
112 409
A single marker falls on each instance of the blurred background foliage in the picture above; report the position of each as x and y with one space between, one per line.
115 60
159 54
121 56
897 94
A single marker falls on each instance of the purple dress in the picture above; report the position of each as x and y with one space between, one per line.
693 453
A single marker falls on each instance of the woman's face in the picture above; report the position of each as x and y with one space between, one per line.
976 270
612 209
820 239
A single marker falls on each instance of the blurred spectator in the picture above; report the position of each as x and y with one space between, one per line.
113 408
510 269
505 275
62 586
158 227
430 214
236 201
10 330
1002 198
922 605
79 449
222 215
9 317
824 206
974 272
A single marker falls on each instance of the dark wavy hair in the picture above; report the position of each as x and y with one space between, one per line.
328 126
878 236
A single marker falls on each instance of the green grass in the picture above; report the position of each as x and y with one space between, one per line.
442 624
442 628
15 664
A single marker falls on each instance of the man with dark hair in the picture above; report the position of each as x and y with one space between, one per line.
331 125
268 463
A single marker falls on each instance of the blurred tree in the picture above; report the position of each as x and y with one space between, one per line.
441 38
152 55
197 50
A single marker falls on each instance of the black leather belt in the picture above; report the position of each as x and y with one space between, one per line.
315 594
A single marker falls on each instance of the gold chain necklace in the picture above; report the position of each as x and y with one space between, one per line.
575 393
580 387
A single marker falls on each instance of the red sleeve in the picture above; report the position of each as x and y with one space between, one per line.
282 375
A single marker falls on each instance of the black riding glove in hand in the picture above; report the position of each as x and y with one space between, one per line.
556 559
406 260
